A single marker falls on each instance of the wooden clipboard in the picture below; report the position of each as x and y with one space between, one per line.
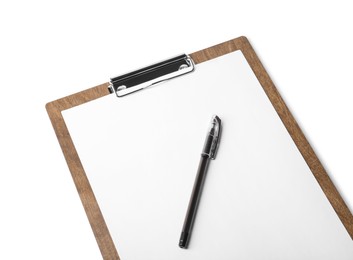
99 227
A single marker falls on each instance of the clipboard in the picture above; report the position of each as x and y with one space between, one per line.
135 81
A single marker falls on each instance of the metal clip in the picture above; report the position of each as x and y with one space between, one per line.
140 79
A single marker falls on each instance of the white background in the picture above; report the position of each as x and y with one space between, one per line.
52 49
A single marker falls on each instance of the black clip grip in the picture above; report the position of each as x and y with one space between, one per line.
142 78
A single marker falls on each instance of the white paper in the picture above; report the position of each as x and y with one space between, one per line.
260 199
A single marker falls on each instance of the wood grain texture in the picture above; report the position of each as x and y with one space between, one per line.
83 186
299 138
84 189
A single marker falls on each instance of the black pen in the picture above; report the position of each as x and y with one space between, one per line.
208 152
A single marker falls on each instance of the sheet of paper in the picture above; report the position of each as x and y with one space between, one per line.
260 200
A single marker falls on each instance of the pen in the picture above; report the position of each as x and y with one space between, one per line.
208 152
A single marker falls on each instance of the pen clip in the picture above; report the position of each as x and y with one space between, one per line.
213 136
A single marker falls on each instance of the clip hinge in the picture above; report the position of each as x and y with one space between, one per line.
140 79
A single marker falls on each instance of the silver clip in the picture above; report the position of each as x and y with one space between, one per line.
140 79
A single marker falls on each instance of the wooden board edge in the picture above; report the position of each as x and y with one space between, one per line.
299 138
218 50
79 98
89 202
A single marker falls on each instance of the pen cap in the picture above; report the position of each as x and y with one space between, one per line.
212 139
